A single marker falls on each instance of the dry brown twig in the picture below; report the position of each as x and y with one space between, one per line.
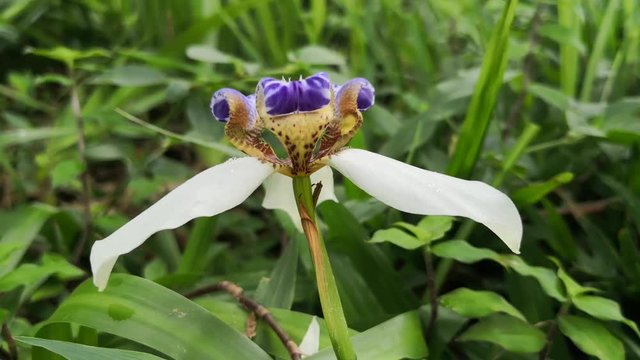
260 311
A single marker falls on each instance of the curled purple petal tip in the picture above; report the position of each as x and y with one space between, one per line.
366 96
224 101
356 92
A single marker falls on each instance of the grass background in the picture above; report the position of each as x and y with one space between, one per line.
104 108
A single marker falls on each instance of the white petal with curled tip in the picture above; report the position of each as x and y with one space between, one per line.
310 343
418 191
279 192
211 192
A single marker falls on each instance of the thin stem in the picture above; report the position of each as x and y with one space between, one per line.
327 288
433 291
6 335
262 312
552 332
86 186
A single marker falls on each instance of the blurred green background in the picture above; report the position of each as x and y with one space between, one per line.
105 107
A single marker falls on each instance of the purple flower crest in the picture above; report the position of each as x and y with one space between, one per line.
287 97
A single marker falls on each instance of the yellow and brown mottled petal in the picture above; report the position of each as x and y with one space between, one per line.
243 126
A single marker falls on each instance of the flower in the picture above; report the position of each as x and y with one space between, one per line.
314 120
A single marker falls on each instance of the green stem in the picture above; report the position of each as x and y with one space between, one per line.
327 288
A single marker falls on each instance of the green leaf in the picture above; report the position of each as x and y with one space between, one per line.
25 136
533 193
508 332
317 55
545 277
462 251
145 312
29 274
591 337
472 303
603 309
573 288
22 230
72 351
132 75
397 237
67 55
347 236
66 172
194 259
435 227
606 28
279 289
398 338
209 54
569 19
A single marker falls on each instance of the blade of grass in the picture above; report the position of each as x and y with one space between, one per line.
568 19
484 97
607 26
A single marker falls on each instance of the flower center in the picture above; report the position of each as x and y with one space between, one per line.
311 118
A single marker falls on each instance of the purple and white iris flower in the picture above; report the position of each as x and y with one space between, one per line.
314 120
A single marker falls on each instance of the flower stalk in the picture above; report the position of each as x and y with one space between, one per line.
327 288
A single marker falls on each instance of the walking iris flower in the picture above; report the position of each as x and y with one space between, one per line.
314 120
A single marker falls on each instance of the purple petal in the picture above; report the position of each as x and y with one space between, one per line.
282 97
225 102
358 93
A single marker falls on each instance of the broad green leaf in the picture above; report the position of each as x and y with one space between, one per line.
603 308
361 307
472 303
397 237
462 251
397 338
145 312
508 332
346 235
194 259
591 337
132 75
545 277
20 233
278 290
73 351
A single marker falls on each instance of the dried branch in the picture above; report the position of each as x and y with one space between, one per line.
262 312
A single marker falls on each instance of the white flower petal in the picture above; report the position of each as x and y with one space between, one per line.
418 191
279 192
211 192
310 343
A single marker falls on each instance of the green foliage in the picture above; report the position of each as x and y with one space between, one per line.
536 98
